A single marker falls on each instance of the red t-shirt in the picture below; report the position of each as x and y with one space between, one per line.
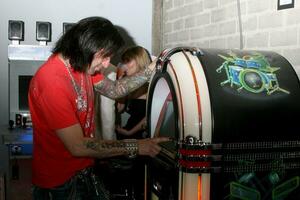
52 103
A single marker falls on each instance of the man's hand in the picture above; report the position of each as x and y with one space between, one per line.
150 146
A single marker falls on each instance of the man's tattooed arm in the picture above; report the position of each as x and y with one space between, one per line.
109 148
124 86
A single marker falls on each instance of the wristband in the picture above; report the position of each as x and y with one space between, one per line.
131 147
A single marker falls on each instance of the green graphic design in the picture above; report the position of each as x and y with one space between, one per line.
270 186
251 72
281 191
269 180
242 192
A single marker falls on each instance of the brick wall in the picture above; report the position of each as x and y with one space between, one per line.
216 24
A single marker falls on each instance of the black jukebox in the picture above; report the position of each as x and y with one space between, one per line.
233 118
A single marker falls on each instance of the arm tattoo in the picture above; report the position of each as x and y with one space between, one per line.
99 145
124 86
106 147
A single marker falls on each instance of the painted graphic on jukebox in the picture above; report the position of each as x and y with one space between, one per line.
252 73
233 117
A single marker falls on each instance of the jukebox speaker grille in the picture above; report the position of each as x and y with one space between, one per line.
15 30
43 31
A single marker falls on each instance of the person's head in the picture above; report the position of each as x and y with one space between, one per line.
89 44
135 58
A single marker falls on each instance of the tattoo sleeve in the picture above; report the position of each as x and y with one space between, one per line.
120 88
106 148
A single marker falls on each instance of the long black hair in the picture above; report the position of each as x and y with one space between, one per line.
87 37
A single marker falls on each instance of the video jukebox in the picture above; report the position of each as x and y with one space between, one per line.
234 119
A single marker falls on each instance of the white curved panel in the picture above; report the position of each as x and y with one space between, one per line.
194 113
160 95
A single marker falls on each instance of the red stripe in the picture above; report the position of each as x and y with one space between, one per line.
192 164
188 152
197 93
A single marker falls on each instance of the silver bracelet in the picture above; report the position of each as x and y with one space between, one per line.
131 147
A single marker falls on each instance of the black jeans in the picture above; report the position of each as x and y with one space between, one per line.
83 186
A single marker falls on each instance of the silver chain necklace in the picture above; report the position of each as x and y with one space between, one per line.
80 101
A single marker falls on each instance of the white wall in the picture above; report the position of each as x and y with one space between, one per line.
216 24
132 15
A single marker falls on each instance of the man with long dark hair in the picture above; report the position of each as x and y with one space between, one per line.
61 100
